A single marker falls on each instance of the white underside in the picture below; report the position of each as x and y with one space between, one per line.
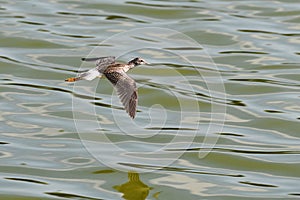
90 75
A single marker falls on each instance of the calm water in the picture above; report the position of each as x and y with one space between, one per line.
75 141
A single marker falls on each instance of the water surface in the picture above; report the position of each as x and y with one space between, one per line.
255 46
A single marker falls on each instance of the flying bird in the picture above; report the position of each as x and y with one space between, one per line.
116 74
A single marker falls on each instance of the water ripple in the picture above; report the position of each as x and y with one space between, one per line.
27 180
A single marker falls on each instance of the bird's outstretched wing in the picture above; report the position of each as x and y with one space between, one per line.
107 58
101 64
126 89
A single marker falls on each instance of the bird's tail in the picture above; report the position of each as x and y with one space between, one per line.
72 79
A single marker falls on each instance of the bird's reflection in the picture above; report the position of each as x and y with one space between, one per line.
134 189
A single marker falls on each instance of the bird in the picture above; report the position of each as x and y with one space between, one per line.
116 74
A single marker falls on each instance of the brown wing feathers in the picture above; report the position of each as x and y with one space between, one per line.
126 89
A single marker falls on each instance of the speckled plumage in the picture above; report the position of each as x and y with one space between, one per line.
116 74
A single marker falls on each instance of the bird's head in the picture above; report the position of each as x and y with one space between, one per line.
137 61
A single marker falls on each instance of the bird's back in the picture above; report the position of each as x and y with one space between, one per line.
117 67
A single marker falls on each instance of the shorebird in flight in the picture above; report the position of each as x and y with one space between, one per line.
116 74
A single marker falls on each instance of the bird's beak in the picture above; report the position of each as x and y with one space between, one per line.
146 63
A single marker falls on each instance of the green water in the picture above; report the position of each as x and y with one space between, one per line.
218 111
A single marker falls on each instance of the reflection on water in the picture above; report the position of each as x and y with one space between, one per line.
256 48
134 189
